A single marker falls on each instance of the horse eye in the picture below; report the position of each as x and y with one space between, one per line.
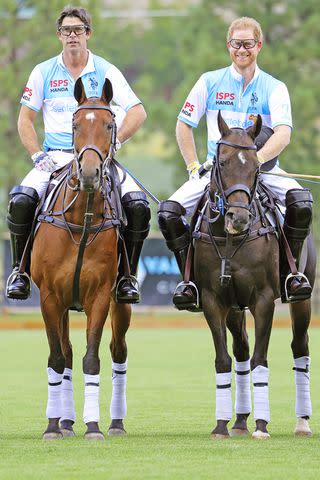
109 126
75 126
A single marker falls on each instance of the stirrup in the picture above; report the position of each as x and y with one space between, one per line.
135 285
300 276
11 278
190 306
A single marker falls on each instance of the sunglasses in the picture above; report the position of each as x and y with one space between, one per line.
66 30
247 44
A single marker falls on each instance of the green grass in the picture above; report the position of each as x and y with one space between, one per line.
170 413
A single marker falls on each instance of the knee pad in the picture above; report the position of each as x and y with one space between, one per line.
21 209
172 225
298 208
136 207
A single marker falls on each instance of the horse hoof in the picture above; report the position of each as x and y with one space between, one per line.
116 431
259 435
67 433
52 436
239 432
94 436
302 428
219 436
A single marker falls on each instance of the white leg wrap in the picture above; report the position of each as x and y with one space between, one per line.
118 405
68 411
223 396
54 405
302 378
242 381
260 380
91 411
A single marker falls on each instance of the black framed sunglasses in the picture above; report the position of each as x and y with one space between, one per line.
66 30
247 43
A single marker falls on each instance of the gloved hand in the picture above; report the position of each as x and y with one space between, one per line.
193 170
118 144
42 161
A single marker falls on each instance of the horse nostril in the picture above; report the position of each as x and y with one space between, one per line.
97 172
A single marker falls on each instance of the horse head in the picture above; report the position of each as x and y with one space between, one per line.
94 135
235 173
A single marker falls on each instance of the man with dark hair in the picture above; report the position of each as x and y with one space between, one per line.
241 91
50 88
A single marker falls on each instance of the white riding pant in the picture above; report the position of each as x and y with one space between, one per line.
190 192
39 179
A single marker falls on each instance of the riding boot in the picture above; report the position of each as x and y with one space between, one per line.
297 221
137 211
22 206
176 233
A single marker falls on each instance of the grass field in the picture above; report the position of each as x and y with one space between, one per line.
170 413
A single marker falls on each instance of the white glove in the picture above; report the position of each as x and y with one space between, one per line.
193 170
42 161
118 144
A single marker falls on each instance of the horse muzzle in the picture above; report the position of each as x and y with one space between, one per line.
89 181
237 221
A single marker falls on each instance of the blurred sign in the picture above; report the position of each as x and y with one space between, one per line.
158 276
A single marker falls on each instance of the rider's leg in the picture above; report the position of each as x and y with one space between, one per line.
136 207
176 233
297 223
22 206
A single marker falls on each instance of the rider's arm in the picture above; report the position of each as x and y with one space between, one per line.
186 142
133 120
27 131
276 143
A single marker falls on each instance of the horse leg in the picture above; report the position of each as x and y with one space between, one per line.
300 315
68 411
120 321
91 371
236 323
216 320
263 316
56 363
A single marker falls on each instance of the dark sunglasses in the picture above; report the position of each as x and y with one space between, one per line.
247 44
66 30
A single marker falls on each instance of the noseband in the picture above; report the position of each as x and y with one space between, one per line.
105 161
238 187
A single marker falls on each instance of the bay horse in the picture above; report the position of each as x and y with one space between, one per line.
236 266
75 267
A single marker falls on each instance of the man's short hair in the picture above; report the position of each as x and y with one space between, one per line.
244 23
79 12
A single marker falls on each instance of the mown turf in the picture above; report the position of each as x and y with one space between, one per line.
170 414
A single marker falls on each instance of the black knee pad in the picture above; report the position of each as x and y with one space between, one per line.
21 209
298 208
136 207
172 225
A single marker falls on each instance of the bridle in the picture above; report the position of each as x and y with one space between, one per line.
104 161
238 187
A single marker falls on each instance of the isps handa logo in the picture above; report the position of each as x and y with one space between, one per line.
27 94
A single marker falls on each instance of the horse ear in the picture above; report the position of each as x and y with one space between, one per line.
223 127
79 93
107 91
255 129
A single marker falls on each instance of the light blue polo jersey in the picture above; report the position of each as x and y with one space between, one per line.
50 87
223 90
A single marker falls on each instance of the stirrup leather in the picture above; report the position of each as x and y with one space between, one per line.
297 275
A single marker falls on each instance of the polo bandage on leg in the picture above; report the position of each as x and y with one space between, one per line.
260 380
118 405
242 381
223 396
302 379
91 411
54 404
68 411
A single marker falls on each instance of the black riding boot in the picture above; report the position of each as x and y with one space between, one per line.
177 236
22 206
297 221
137 211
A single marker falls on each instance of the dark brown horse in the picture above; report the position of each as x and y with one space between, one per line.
236 265
76 266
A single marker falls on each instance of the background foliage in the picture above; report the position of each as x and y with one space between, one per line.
162 57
